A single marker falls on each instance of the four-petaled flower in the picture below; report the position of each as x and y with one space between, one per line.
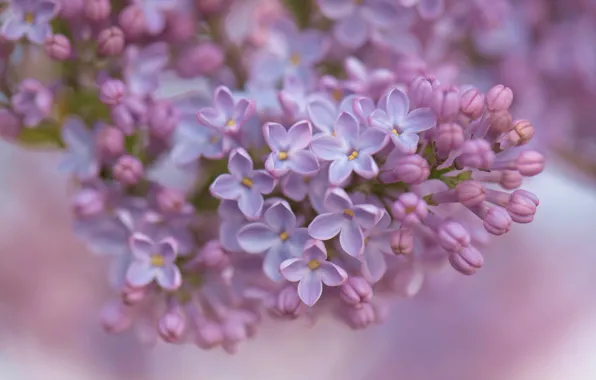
153 261
377 244
289 149
311 271
278 236
243 184
29 18
194 140
81 155
393 117
345 219
350 150
227 114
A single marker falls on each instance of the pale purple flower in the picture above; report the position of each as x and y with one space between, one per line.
226 115
143 66
355 20
30 18
153 261
80 156
402 126
194 140
377 244
365 81
311 271
154 12
278 236
33 101
345 219
231 221
323 112
289 149
297 187
350 150
243 184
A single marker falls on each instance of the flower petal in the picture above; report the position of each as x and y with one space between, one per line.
351 238
263 182
340 170
169 277
419 120
374 265
363 107
223 101
347 128
140 273
304 162
228 235
141 246
328 148
226 186
431 9
276 137
314 250
243 110
397 105
212 117
250 203
380 120
366 167
352 32
38 33
14 29
280 217
273 261
168 249
240 164
294 269
366 215
337 200
380 13
372 141
331 274
337 9
326 226
294 186
257 238
300 135
406 142
310 288
322 114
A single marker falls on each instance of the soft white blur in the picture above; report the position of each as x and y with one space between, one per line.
530 314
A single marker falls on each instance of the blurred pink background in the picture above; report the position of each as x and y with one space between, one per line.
529 314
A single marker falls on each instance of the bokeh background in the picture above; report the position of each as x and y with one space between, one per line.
529 314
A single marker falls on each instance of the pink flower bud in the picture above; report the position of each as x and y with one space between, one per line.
210 6
171 201
411 169
467 261
10 125
522 206
445 103
453 237
521 134
201 59
162 119
208 335
171 325
97 10
88 202
110 41
402 241
110 142
128 170
180 27
409 209
212 254
499 98
115 318
112 91
355 291
58 47
71 9
421 91
471 193
511 179
362 317
476 154
497 221
132 21
132 295
530 163
472 103
499 122
287 303
448 137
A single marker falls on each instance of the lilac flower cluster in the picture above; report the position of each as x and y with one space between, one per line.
310 175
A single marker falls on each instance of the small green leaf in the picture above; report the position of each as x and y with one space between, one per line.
46 134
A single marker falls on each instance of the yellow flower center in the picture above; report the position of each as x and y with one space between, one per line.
349 212
295 59
214 139
284 236
334 134
313 264
231 123
157 260
353 156
410 209
283 155
337 94
247 182
29 17
395 132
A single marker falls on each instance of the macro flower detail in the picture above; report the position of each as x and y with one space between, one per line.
243 184
33 101
278 236
350 150
402 126
153 261
227 115
29 18
289 149
311 271
346 219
